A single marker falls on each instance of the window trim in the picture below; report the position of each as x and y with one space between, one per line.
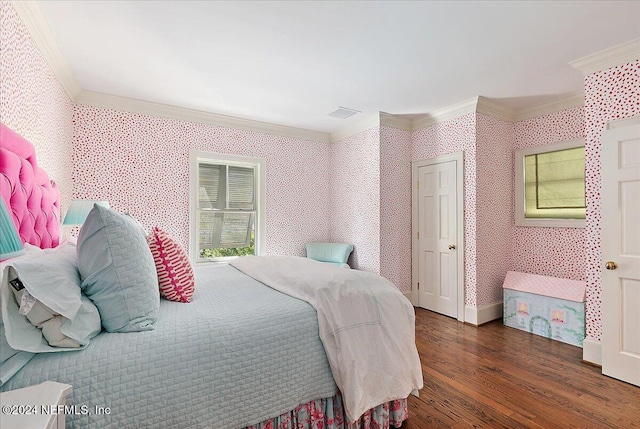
520 219
196 156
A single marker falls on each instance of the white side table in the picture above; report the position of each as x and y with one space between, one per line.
34 407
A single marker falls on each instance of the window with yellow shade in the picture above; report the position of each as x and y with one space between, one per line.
550 188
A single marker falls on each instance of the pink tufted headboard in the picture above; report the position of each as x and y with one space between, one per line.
33 199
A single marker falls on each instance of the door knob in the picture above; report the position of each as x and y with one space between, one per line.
452 247
610 265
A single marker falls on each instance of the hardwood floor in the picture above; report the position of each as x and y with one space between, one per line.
498 377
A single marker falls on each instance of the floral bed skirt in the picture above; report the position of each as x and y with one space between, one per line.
329 413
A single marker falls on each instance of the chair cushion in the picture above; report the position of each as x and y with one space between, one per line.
329 252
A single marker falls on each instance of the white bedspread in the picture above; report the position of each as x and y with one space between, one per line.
366 325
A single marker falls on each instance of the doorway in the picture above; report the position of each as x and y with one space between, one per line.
621 250
437 234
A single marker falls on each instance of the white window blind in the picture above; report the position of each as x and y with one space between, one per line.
226 206
241 188
209 189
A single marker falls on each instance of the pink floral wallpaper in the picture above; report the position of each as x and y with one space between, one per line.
556 252
395 200
139 163
494 206
33 103
609 95
456 135
355 197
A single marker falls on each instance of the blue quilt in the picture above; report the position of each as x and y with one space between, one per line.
238 354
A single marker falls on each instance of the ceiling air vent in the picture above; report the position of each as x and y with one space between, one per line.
344 112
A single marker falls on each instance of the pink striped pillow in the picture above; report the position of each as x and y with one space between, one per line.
175 275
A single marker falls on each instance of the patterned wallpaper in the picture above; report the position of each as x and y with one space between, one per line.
456 135
33 103
493 245
371 201
355 197
557 252
359 206
609 95
395 206
488 196
139 163
494 206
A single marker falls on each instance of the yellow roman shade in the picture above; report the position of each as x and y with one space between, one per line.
554 184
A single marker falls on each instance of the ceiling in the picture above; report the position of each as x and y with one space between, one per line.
293 63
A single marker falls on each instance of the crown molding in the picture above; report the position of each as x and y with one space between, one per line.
621 123
568 101
607 58
473 105
448 113
31 15
491 108
396 121
133 105
370 121
33 18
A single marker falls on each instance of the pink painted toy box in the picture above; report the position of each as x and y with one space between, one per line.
546 306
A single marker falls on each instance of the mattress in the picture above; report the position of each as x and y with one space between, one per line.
238 354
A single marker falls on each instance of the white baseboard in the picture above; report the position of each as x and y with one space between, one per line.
480 315
592 351
409 296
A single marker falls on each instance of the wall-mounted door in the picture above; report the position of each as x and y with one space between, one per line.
621 250
438 283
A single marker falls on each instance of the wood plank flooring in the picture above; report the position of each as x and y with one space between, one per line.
498 377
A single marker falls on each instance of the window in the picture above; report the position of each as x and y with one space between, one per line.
550 185
227 206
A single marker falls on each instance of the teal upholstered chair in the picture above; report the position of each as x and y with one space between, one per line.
331 253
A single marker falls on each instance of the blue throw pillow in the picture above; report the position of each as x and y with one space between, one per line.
117 271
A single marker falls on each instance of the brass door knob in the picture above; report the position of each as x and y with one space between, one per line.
452 247
610 265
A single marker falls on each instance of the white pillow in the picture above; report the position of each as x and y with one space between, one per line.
39 314
68 320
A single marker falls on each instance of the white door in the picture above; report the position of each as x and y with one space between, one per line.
437 246
621 250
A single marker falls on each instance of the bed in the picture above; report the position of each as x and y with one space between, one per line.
240 354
